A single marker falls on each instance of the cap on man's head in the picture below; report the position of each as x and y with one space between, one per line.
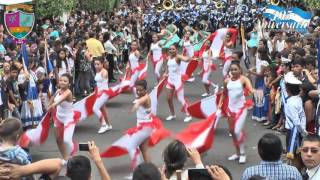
290 78
285 60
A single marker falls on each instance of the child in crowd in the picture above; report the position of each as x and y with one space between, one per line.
10 130
295 116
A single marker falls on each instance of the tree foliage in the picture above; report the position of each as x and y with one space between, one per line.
49 8
312 4
98 5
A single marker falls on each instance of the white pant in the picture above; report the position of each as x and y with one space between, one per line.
157 68
100 101
206 73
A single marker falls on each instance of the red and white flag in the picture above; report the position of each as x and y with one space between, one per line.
40 134
205 107
155 93
143 70
82 109
130 141
200 135
217 39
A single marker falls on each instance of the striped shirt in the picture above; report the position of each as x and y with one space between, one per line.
273 170
16 155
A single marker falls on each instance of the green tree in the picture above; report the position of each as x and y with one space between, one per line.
98 5
49 8
312 4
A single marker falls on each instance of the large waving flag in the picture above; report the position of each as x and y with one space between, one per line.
200 135
85 105
82 109
49 71
205 107
155 93
217 39
130 141
191 67
24 54
40 134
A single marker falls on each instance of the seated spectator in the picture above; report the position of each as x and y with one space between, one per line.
310 154
175 157
10 130
146 171
271 167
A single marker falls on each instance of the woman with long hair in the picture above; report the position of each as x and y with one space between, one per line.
228 46
99 107
156 56
175 83
134 64
175 155
207 69
234 90
61 107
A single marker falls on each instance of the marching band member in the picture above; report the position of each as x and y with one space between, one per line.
156 56
175 83
99 107
236 111
61 107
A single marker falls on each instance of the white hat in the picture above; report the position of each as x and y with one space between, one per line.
285 60
40 70
264 63
291 79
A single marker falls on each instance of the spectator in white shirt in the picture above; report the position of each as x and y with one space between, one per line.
110 51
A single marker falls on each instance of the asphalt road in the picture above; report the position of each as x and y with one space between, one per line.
119 113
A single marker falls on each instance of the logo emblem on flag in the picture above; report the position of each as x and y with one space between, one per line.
19 24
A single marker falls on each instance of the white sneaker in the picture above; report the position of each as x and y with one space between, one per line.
187 119
216 88
191 79
242 159
171 117
129 176
104 128
204 94
233 157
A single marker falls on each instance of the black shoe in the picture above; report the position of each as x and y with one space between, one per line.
271 126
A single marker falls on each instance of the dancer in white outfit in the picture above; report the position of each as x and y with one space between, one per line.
142 106
175 83
237 107
207 60
156 56
188 51
228 46
61 107
134 65
99 107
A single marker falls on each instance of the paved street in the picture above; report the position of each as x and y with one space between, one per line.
118 109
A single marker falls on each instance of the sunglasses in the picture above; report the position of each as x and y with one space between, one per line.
306 150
